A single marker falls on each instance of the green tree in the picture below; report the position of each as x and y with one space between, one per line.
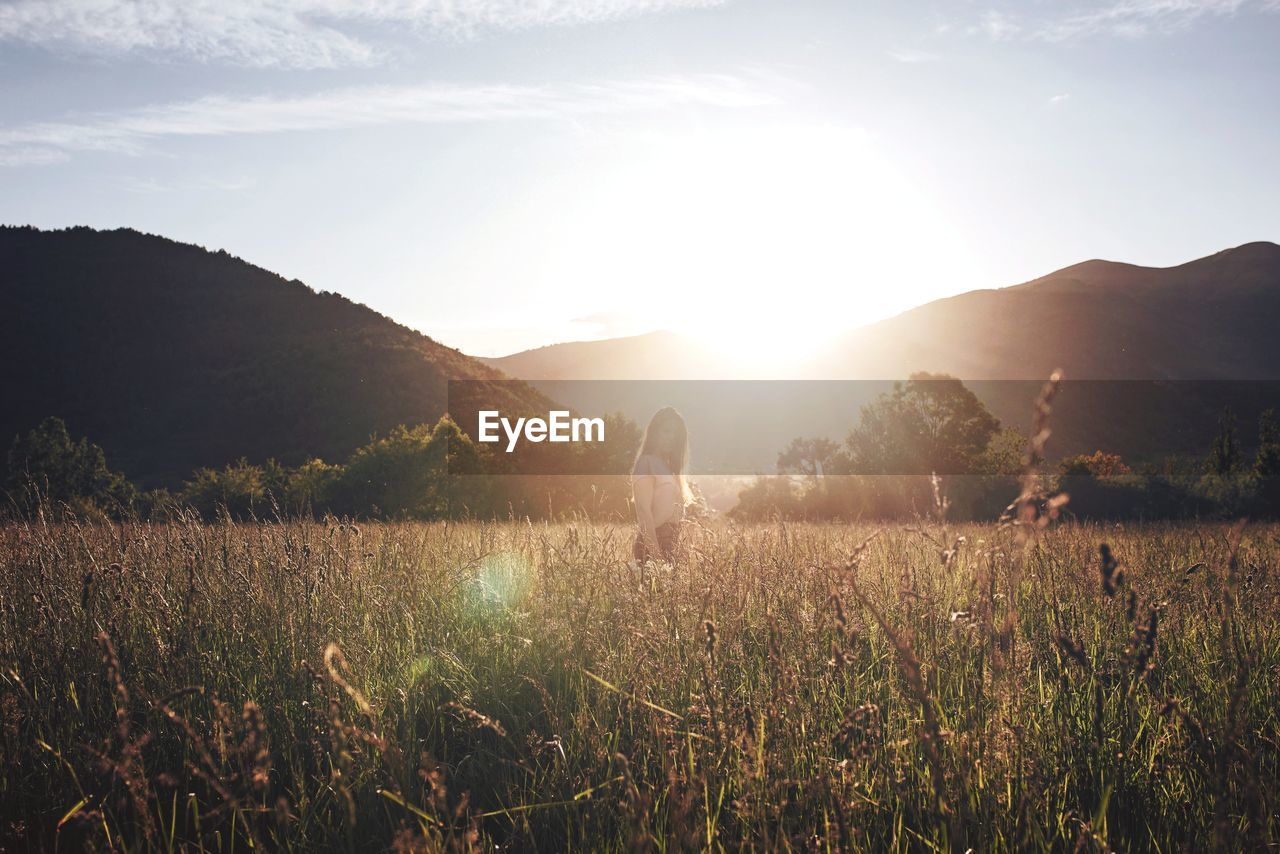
237 489
275 483
463 486
46 463
1097 464
1005 453
423 472
930 424
310 486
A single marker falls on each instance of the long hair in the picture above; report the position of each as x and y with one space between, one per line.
667 438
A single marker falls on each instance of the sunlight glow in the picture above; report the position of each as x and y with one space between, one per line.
760 240
764 242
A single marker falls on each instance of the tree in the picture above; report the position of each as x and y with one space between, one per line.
1006 452
932 424
615 454
391 477
1097 464
767 497
1224 456
1266 466
812 456
275 482
462 486
1267 462
422 472
46 463
310 487
237 489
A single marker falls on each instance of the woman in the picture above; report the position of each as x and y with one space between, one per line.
658 486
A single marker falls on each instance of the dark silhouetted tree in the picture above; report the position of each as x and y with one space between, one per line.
1266 466
46 463
1224 456
237 489
1097 464
1267 462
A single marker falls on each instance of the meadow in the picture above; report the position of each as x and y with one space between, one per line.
422 686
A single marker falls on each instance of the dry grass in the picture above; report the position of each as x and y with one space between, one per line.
476 685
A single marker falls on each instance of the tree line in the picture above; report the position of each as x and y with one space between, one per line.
933 425
885 468
428 471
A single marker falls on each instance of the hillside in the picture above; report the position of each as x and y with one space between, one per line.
658 355
173 357
1208 319
1152 355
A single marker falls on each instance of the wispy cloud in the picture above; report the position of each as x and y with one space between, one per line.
1059 98
133 131
997 25
1130 18
1141 17
150 186
288 33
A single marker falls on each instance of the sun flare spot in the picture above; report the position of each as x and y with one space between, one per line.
765 241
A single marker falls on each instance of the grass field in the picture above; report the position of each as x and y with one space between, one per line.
317 685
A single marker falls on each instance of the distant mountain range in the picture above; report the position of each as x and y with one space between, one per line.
1152 355
1214 318
173 357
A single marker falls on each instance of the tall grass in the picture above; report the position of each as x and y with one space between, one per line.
323 685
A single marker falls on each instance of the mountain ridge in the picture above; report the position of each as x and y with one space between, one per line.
1253 269
1151 356
174 357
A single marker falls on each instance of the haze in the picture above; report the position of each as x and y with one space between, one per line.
504 175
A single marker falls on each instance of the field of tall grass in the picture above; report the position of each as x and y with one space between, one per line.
479 685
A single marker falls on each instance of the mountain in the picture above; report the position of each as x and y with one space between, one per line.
656 355
172 357
1208 319
1151 354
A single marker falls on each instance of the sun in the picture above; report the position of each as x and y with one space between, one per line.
765 241
758 347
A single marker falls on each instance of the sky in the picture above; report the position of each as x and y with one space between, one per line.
503 174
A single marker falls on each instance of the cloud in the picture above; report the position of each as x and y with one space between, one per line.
1059 98
19 155
150 186
133 131
1140 17
288 33
998 25
1129 18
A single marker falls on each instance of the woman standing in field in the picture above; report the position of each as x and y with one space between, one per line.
658 486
